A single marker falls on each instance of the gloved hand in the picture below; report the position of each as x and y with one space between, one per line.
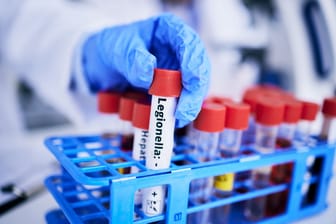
127 54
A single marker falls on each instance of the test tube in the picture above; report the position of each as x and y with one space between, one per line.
108 106
308 115
237 118
269 115
292 114
282 173
125 114
328 131
208 125
165 89
140 122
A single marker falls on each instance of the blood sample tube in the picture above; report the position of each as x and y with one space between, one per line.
108 106
308 115
269 115
328 131
165 89
292 114
125 113
140 123
282 173
237 118
208 125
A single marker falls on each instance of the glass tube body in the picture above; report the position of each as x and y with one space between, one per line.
265 143
205 149
229 145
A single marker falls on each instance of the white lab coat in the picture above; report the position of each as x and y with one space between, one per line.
42 39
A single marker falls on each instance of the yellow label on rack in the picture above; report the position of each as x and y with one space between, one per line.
224 182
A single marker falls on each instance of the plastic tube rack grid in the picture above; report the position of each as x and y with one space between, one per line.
94 189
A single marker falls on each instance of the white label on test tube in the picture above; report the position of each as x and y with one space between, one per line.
140 144
160 148
139 153
161 127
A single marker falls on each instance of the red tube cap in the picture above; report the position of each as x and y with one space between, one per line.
166 83
211 118
218 99
309 110
329 107
141 114
237 115
293 110
126 108
269 111
108 102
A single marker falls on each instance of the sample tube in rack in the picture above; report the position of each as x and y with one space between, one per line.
126 114
328 131
282 173
165 89
237 118
308 115
292 114
269 115
208 125
108 106
140 120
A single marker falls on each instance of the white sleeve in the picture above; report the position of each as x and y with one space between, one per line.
40 45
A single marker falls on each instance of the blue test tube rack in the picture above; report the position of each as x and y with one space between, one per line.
92 187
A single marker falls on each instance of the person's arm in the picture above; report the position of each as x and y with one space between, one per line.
39 39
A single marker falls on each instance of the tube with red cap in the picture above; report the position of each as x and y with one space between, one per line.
308 115
165 89
269 115
208 125
282 173
328 131
140 121
292 114
237 118
108 106
125 113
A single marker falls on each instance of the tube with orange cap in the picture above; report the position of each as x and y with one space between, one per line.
208 125
237 118
269 115
328 131
165 89
140 121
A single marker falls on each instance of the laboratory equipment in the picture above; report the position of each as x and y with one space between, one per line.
208 125
165 89
125 114
237 118
328 131
308 115
107 197
282 173
108 106
269 115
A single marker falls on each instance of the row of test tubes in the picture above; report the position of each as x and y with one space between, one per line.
267 119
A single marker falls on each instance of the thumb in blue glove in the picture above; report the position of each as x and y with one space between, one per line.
127 55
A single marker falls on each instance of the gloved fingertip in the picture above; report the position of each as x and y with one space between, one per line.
143 69
180 123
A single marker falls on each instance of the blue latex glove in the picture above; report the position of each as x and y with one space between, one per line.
127 54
